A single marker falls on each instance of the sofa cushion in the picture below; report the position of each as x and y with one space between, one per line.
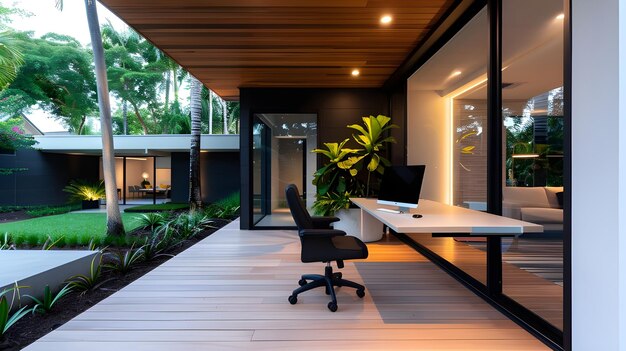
525 197
551 192
542 215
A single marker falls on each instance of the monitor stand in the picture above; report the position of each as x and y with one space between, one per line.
398 211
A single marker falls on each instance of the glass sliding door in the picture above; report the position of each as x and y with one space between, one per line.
282 145
532 112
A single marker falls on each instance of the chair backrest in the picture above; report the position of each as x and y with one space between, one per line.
131 188
298 210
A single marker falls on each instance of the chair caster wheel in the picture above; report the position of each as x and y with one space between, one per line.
360 293
293 299
338 275
302 282
332 306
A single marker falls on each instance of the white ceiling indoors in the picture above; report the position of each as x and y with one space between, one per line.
532 53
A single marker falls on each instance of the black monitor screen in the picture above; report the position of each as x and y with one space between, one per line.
402 184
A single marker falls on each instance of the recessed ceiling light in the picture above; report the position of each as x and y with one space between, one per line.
386 19
456 73
561 16
355 72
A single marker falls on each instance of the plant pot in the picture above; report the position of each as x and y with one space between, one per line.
90 204
360 224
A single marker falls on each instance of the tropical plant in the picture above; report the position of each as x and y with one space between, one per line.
12 138
373 137
92 281
188 225
155 246
50 243
6 242
337 178
10 58
7 320
49 299
124 260
80 190
151 221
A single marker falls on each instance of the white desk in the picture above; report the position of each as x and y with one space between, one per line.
441 219
445 220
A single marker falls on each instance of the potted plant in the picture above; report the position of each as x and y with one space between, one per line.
348 172
88 193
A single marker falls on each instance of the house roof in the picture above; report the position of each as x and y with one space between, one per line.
229 44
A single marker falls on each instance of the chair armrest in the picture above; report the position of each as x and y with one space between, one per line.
323 222
321 233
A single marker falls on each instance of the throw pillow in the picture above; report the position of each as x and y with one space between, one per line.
559 198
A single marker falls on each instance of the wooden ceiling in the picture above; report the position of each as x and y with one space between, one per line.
229 44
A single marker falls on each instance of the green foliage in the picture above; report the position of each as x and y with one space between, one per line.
12 138
156 244
7 320
151 221
159 207
92 280
227 208
41 211
10 58
57 75
77 229
124 260
6 242
339 179
80 190
372 136
49 299
188 225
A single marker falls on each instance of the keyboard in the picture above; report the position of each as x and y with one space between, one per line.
388 210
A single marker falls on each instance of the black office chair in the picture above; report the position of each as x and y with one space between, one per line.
320 243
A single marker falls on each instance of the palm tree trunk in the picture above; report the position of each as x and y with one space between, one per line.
125 116
225 115
81 125
210 111
114 218
195 198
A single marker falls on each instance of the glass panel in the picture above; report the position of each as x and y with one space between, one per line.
282 145
447 107
532 107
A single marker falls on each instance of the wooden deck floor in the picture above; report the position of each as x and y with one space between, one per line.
229 292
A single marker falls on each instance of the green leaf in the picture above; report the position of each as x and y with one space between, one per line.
4 314
373 163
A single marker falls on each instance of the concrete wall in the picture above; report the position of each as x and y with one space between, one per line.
46 177
219 172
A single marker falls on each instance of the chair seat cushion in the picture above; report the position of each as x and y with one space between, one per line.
332 249
542 215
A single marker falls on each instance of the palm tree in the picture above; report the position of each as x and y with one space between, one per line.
114 218
10 59
195 198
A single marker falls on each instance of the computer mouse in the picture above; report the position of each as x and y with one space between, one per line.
417 216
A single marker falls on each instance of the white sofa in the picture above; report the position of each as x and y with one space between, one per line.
534 204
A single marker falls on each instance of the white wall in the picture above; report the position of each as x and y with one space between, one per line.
598 175
428 141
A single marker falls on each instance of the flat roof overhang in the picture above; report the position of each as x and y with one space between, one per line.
231 44
136 145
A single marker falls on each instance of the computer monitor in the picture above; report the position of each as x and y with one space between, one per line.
401 186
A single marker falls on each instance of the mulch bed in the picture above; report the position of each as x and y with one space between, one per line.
32 327
13 216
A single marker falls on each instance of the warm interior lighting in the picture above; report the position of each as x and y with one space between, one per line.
355 72
525 156
386 19
455 73
144 175
451 136
561 16
136 158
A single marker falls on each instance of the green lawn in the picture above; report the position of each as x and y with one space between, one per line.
76 229
158 207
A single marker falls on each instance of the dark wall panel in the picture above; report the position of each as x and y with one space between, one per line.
47 175
335 109
219 173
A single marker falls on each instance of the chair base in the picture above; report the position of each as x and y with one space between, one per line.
329 280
